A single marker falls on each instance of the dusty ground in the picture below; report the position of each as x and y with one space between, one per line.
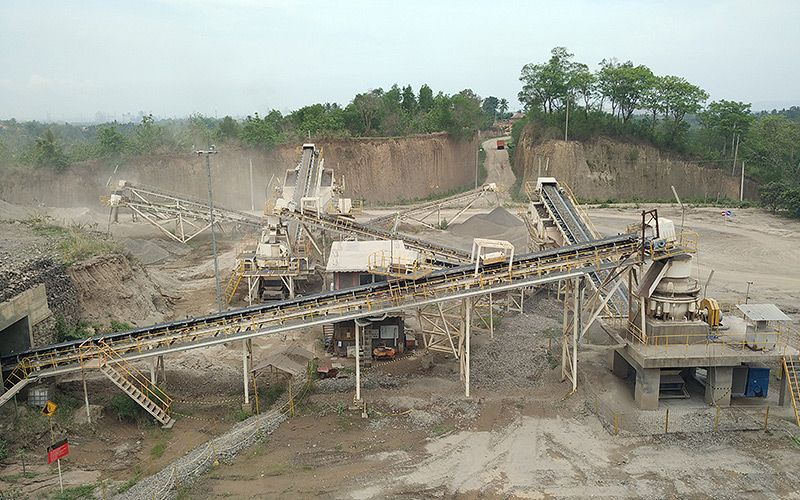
526 439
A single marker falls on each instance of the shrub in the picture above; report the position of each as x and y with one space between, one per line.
126 409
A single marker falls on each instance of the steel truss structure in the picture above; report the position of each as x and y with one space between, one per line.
176 215
422 212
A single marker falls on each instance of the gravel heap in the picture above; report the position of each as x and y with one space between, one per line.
510 360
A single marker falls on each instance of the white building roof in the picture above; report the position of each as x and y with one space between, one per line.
353 256
763 312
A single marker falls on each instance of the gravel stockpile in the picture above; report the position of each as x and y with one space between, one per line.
510 360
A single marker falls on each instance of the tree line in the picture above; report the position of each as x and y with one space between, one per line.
395 112
629 101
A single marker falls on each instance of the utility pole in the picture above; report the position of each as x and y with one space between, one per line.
566 124
741 187
212 150
252 194
477 155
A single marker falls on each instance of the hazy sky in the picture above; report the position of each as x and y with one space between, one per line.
70 60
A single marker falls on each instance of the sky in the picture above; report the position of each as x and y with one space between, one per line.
88 60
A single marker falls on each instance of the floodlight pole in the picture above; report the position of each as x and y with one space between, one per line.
212 150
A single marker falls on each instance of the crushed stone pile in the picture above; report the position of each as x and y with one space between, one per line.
497 221
510 360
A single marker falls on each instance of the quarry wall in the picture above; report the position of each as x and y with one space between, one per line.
603 169
379 170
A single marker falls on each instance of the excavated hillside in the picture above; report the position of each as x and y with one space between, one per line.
604 169
375 169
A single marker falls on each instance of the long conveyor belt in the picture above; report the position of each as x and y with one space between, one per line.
430 207
156 202
265 319
349 227
140 198
575 231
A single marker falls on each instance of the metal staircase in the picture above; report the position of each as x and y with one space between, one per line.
136 385
233 282
327 336
791 365
13 390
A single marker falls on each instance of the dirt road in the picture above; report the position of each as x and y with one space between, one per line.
498 167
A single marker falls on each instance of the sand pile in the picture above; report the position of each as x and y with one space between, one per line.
499 224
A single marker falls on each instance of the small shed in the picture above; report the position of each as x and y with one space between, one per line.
355 263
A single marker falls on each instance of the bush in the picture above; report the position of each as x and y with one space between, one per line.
126 409
3 449
76 492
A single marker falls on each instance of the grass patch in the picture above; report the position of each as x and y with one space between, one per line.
76 492
440 430
80 245
240 415
126 409
158 449
137 474
76 242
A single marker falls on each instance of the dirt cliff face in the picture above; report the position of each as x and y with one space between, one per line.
375 169
604 169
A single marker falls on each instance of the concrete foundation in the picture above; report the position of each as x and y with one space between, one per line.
718 385
648 383
20 320
619 366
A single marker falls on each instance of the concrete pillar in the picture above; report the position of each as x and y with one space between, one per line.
784 388
648 382
619 365
718 385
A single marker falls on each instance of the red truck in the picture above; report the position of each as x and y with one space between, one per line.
501 144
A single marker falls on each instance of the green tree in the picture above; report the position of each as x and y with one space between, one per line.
502 106
679 97
150 135
264 132
582 85
368 106
489 106
624 85
772 149
228 129
110 142
409 100
425 98
48 152
724 119
547 85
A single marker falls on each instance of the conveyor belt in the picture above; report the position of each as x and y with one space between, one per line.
140 198
264 319
431 207
575 231
348 227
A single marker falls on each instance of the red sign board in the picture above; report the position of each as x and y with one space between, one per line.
57 451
